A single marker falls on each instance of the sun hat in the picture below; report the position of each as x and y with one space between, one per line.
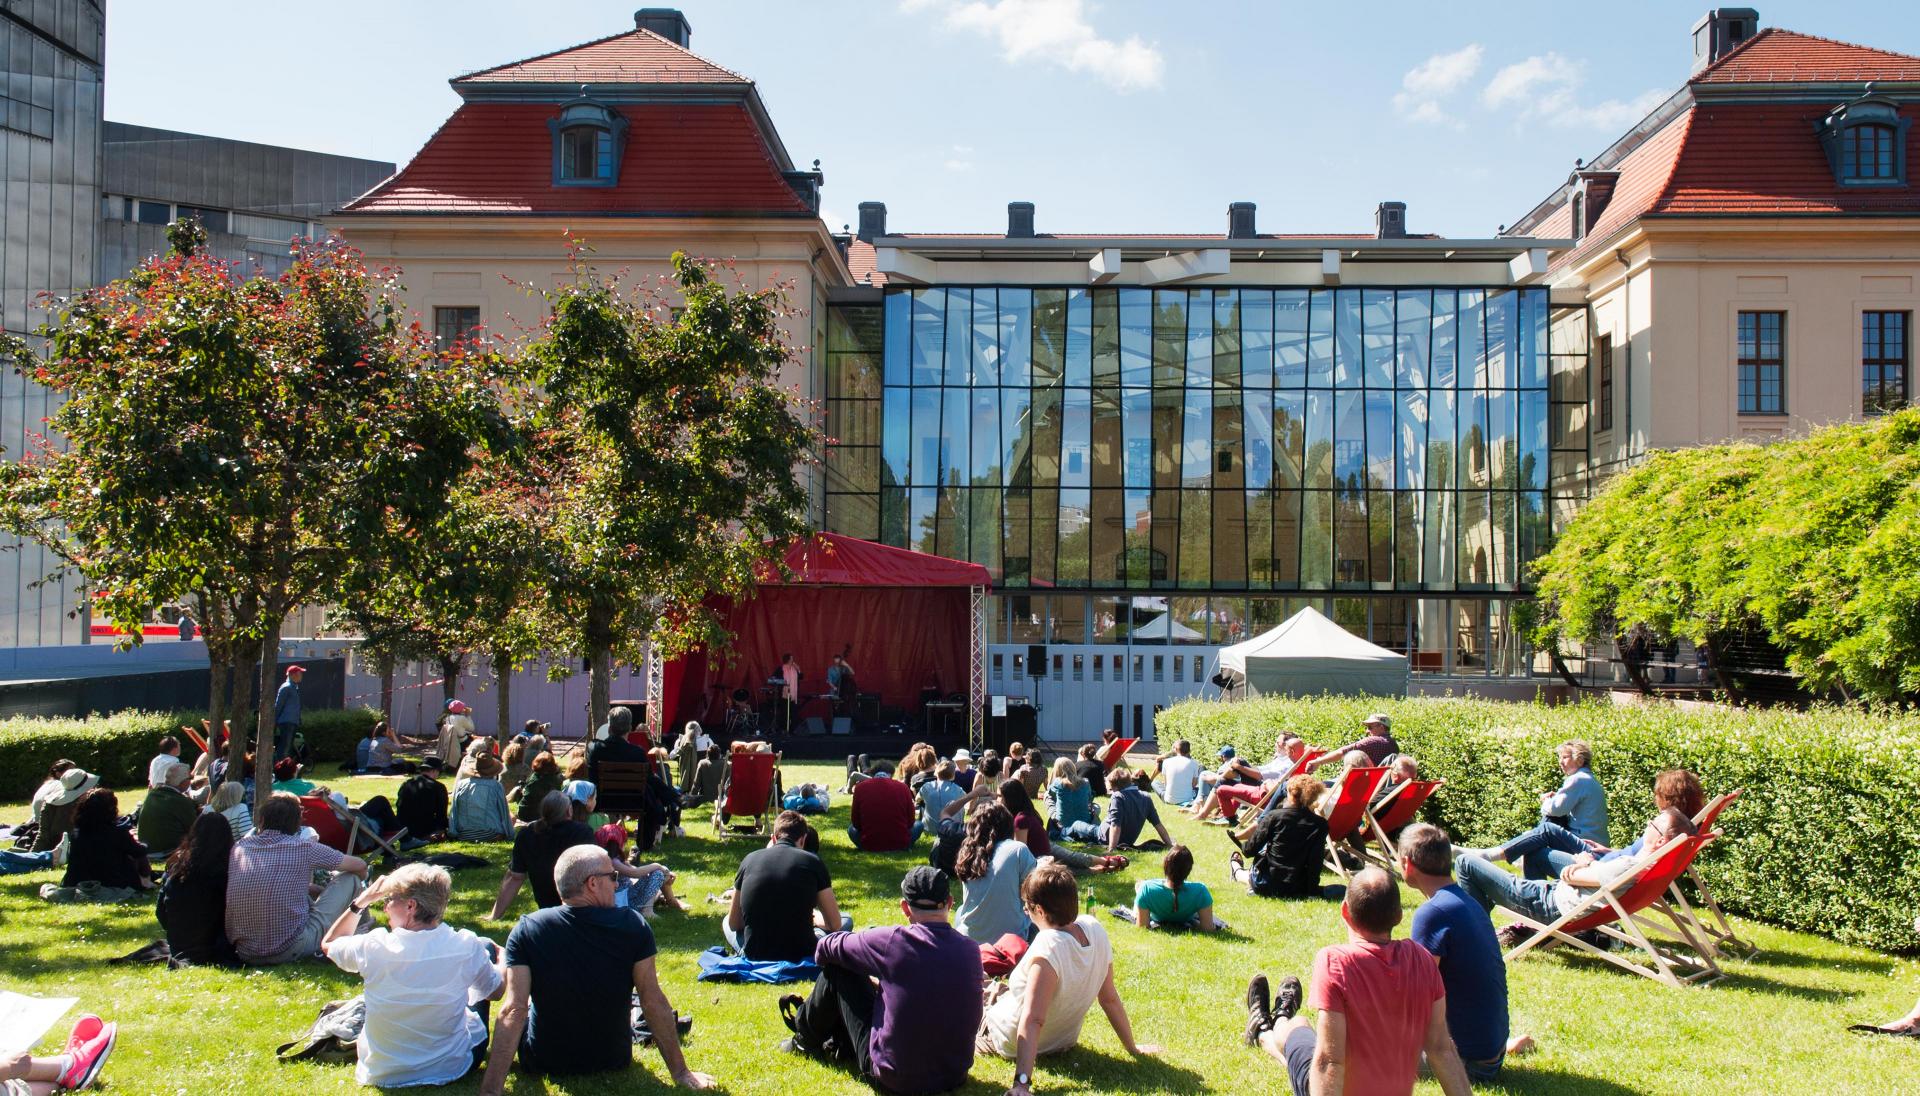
1381 718
458 707
74 783
963 754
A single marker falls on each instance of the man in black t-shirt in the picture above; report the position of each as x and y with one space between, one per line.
536 849
780 894
571 974
422 806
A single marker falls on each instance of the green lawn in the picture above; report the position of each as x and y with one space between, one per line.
1772 1026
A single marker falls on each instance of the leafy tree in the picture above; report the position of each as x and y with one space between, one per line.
661 465
241 440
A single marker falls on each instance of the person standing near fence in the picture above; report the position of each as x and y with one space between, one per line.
286 711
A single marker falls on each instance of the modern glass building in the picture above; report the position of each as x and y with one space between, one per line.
1186 465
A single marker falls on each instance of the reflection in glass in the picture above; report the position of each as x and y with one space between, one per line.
1440 440
1476 536
1407 527
959 337
1500 334
899 308
921 519
1380 539
1137 415
1136 337
1108 545
1349 537
1377 338
1256 338
1320 339
1319 454
1446 337
984 527
985 468
1046 436
1196 539
985 349
929 335
1199 355
1410 467
1316 540
1226 338
1441 551
954 466
1290 338
1286 538
928 449
1016 544
1473 339
1108 440
1049 336
1413 326
1196 443
1349 442
1016 433
896 433
1046 537
1016 336
1380 439
1348 327
1169 337
1533 440
1076 439
1258 440
1106 338
1076 534
1289 438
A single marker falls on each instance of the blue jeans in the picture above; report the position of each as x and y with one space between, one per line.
1544 850
17 863
1087 833
1491 885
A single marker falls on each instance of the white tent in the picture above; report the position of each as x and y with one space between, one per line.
1165 627
1310 654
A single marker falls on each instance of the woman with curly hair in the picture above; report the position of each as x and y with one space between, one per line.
102 850
991 866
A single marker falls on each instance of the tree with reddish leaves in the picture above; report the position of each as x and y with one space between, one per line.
241 441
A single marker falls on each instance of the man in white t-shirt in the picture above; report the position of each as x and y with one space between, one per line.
162 761
426 984
1179 775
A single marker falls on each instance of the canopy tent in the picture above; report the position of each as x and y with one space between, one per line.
1310 654
1165 627
912 621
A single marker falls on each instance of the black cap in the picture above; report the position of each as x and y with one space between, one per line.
926 888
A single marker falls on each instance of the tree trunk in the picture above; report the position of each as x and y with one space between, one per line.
1630 658
1560 667
263 753
451 663
218 671
1721 675
503 685
241 677
599 688
386 690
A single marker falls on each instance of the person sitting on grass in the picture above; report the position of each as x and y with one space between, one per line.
986 785
374 754
1285 849
100 850
54 800
1573 820
421 803
782 897
647 884
1044 1003
572 973
168 812
1031 832
1069 799
193 898
808 799
272 917
881 818
1460 937
544 778
902 1002
1129 810
230 802
991 867
159 764
287 778
1381 1003
516 765
964 774
933 798
1173 901
706 777
479 807
425 984
75 1068
1546 901
1179 780
536 849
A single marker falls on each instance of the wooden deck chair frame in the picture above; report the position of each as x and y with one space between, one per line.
1398 809
357 825
1358 784
622 788
726 823
1659 948
1718 930
1279 793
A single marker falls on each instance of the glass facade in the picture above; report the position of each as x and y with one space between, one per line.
1290 440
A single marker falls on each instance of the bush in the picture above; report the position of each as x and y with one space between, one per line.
118 747
1821 841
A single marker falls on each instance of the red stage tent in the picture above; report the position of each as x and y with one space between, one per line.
910 618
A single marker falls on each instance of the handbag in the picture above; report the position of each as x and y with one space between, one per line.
333 1037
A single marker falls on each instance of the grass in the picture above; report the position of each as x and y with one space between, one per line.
1773 1025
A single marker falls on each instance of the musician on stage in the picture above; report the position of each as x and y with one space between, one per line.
840 682
789 691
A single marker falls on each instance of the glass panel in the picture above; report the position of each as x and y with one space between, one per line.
1377 312
1027 620
1194 622
1076 534
1049 336
1440 440
1286 538
1473 440
1320 339
952 520
1112 620
1380 439
1016 336
929 335
1079 336
986 349
1289 438
1502 543
1348 359
1413 324
923 519
1196 444
1261 570
1445 338
1473 339
985 467
896 435
1168 410
1407 527
1046 537
894 519
959 336
1108 441
1380 539
985 527
1503 441
1441 551
1238 360
1046 436
1500 338
1137 412
1350 537
954 466
1431 638
1016 543
1533 530
1533 440
1076 439
1016 433
1169 338
1069 619
899 338
1470 637
927 451
1476 535
1316 541
1200 339
1410 469
1290 338
1136 337
854 515
1152 536
1349 442
1319 451
1105 336
1533 341
1108 545
1258 425
1196 539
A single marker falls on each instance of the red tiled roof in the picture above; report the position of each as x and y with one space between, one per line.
1779 56
860 259
635 57
1643 178
1765 158
680 159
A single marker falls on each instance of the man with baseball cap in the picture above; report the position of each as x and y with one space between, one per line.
286 711
913 1031
1378 744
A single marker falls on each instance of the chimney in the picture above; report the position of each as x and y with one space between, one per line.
1240 221
1719 31
1019 220
668 23
873 221
1390 221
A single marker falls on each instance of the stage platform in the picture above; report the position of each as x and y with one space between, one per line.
836 747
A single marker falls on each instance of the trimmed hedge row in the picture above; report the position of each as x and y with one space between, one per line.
118 747
1823 840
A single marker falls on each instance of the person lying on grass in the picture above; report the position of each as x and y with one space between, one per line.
1173 901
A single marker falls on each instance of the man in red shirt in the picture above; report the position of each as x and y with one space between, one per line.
1381 1003
882 814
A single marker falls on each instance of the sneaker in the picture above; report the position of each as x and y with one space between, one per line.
1124 913
1259 1010
1287 1002
84 1030
61 850
88 1059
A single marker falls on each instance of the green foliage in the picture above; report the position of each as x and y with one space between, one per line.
1813 541
1821 840
118 747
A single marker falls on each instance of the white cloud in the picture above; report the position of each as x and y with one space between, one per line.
1548 86
1424 85
1055 32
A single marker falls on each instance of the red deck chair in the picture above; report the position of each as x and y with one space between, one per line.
1349 812
1402 804
1114 752
1718 930
1618 911
751 791
1279 793
318 813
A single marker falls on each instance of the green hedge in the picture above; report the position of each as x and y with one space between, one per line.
118 747
1823 840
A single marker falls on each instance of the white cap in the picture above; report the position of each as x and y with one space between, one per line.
963 754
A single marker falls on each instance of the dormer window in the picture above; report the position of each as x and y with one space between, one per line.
1866 143
588 139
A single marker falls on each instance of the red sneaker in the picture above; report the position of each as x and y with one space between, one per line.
84 1029
88 1059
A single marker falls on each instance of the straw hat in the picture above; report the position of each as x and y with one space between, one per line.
74 783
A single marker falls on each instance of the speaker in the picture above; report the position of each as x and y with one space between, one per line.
812 725
842 724
1036 660
868 708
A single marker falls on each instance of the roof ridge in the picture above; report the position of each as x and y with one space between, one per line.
1773 32
599 42
1736 51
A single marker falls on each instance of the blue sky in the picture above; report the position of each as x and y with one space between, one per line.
1114 116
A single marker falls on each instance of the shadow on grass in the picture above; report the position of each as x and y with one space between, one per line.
1154 1074
1525 1081
1852 964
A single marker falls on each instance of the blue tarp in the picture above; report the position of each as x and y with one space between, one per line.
719 965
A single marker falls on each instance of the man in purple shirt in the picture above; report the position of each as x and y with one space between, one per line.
913 1032
1378 744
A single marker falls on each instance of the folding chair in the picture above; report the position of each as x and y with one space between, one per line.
751 790
1349 812
1279 793
1396 812
354 826
1719 931
1114 752
1618 911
